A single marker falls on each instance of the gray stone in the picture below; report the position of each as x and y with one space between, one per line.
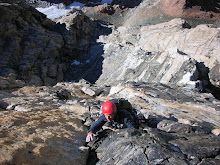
172 126
199 146
91 91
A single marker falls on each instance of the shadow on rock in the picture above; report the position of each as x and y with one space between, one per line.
88 62
127 3
3 105
153 121
153 146
93 159
203 84
213 5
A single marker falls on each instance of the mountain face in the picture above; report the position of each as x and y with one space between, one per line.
55 75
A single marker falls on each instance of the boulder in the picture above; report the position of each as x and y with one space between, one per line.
91 92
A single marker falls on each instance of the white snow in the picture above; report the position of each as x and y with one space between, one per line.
53 12
186 79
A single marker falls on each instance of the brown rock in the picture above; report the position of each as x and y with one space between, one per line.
191 9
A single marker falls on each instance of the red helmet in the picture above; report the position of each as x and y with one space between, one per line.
109 107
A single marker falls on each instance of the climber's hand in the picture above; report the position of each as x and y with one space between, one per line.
90 136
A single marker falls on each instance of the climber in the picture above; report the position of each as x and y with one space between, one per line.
117 118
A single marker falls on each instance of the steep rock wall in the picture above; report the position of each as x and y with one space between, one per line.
35 49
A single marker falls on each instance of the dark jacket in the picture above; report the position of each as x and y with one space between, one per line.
122 119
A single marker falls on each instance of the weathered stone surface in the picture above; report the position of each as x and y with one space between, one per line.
172 126
10 82
170 49
148 12
35 49
198 146
191 9
27 46
168 103
36 131
216 132
138 147
45 124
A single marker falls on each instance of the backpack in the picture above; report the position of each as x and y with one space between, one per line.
124 104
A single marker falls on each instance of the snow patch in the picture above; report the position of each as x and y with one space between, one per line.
186 79
53 12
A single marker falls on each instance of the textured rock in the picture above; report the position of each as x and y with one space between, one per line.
170 49
169 103
171 126
182 40
35 49
137 147
89 91
10 82
200 147
38 132
44 125
148 12
191 9
31 50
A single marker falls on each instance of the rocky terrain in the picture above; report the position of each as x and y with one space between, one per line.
36 49
48 125
55 75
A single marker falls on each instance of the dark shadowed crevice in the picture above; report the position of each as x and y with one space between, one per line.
91 60
203 84
211 5
92 159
